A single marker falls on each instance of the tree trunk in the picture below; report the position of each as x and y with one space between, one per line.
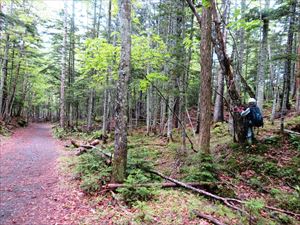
287 67
206 73
90 109
4 73
10 97
262 65
72 65
219 103
170 117
120 152
162 115
298 78
64 69
149 110
108 78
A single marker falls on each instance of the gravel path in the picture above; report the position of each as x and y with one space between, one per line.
30 185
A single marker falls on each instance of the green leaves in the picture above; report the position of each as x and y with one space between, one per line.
152 77
242 23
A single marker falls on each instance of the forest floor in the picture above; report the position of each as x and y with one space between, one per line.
41 182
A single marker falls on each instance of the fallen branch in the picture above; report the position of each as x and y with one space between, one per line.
208 217
75 144
113 186
291 132
227 201
88 146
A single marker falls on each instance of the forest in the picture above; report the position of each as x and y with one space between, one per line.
149 112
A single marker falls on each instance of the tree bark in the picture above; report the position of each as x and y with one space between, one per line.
262 65
219 103
4 73
90 109
64 69
298 78
120 152
107 93
287 67
206 73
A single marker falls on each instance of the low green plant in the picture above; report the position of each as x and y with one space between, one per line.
254 206
59 132
145 214
134 191
92 171
200 168
273 140
295 141
289 201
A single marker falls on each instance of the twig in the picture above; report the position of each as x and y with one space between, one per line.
291 132
208 217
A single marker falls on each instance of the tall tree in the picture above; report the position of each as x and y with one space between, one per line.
288 63
262 62
219 102
120 152
63 68
298 77
206 73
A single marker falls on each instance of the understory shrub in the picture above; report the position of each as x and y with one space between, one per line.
295 141
200 168
92 171
134 191
289 201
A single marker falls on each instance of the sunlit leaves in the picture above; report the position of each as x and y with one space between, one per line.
99 56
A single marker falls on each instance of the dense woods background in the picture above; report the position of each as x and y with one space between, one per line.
98 66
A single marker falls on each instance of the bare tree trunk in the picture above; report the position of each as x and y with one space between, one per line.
275 87
206 73
11 97
90 109
162 115
4 73
64 69
287 67
170 117
149 110
72 65
219 103
261 65
120 153
298 78
108 78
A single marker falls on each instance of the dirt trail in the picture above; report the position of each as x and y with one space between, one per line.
30 185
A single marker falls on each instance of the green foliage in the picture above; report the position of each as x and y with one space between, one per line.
93 171
145 214
273 140
220 129
254 206
141 158
59 132
200 168
289 201
295 141
133 192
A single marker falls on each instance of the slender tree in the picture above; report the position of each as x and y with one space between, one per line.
120 153
206 73
298 77
63 68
